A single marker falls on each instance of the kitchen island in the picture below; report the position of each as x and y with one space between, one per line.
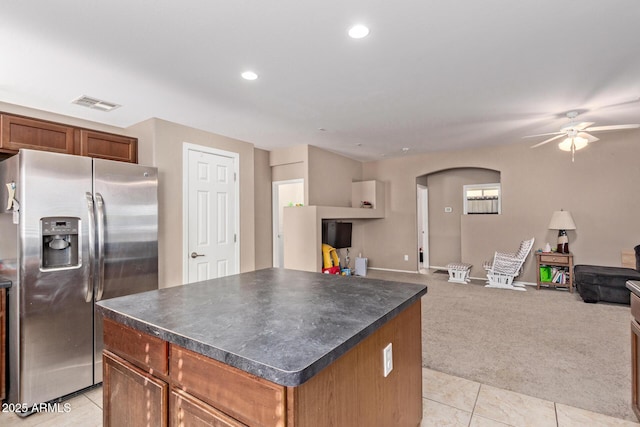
272 347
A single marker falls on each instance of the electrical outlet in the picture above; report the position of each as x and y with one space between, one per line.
387 359
448 209
406 257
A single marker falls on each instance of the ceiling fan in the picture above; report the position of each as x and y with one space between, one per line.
576 135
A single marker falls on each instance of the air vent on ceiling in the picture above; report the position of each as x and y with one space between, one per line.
96 104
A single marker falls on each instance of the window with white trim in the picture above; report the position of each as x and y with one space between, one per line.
482 199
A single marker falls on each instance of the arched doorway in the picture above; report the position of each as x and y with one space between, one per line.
441 203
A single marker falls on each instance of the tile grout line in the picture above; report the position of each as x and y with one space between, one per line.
473 410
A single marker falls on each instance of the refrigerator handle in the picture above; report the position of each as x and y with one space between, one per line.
92 246
100 235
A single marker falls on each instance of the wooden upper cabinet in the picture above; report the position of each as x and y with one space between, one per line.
108 146
22 132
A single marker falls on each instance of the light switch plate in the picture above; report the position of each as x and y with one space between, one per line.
387 359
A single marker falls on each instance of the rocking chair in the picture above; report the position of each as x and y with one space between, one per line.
505 267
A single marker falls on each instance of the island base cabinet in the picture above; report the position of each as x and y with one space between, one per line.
352 391
132 397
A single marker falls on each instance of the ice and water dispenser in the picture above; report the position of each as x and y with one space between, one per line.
60 248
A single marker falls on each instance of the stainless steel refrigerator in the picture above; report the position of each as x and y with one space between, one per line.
85 230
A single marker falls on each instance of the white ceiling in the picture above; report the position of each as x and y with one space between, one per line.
432 75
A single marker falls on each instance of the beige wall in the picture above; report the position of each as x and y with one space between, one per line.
327 176
330 178
599 189
291 163
263 212
445 189
167 140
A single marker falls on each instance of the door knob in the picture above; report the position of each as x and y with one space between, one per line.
195 255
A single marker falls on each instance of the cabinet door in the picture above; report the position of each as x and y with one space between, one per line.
132 397
3 342
21 132
186 410
108 146
635 366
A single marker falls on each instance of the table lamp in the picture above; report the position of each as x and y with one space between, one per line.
562 221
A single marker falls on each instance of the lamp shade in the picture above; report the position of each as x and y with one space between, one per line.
562 220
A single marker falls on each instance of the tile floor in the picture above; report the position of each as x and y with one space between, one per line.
447 401
454 401
84 410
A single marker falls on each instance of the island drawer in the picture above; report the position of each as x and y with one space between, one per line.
245 397
144 350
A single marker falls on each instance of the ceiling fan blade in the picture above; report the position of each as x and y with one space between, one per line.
588 137
612 127
548 140
582 126
544 134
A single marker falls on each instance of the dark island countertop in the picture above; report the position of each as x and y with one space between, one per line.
4 283
281 325
634 287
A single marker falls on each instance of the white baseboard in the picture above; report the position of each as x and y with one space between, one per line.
395 271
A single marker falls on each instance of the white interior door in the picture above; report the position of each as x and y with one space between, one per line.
212 248
284 193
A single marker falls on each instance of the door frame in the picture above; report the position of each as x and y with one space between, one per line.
275 213
423 220
186 147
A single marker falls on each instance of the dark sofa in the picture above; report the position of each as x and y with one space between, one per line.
607 284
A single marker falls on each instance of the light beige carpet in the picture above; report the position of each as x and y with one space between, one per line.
544 343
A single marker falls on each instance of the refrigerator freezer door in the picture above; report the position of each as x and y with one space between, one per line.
126 197
56 338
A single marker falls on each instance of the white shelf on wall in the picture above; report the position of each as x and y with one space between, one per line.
370 191
303 225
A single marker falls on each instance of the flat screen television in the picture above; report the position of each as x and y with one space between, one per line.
336 234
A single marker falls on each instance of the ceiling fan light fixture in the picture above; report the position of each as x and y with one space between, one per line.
578 143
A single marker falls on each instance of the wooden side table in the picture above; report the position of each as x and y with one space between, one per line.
560 261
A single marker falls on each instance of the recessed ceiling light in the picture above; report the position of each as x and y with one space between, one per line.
358 31
249 75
